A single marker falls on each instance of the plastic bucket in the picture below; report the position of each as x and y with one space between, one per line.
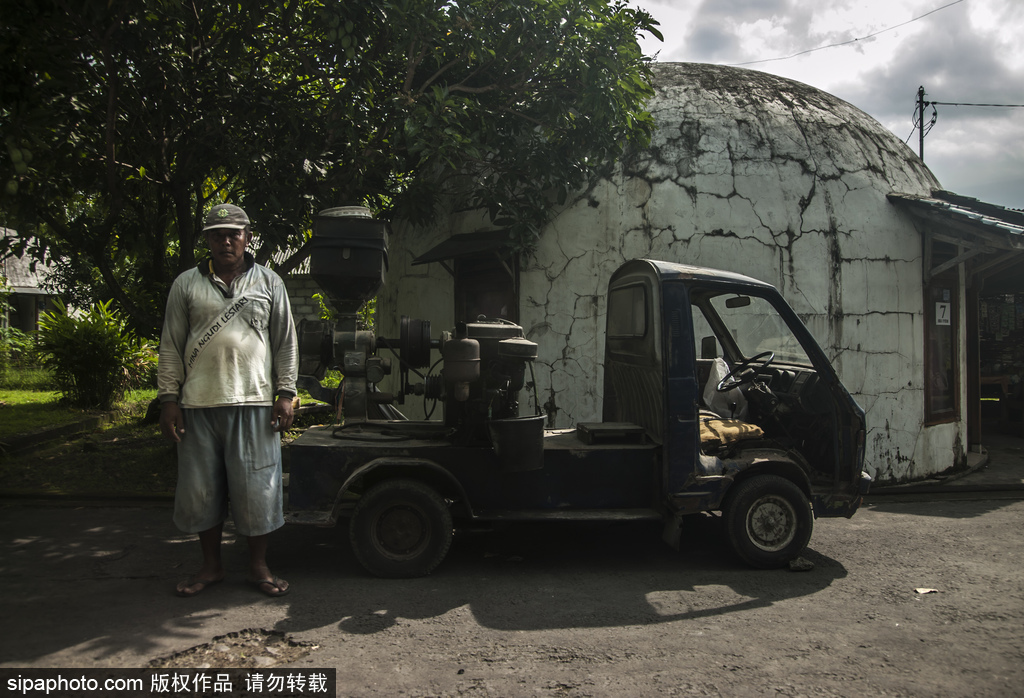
518 443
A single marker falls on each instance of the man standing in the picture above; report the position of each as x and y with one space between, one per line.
228 365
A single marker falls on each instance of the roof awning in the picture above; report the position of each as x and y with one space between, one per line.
466 245
990 236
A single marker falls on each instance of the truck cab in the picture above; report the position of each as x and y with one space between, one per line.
716 399
720 371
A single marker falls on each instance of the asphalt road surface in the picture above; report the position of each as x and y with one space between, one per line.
549 610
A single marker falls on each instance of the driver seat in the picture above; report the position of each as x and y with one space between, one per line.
721 404
717 434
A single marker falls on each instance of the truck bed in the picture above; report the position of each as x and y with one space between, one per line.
576 477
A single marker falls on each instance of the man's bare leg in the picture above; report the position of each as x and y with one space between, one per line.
259 572
212 570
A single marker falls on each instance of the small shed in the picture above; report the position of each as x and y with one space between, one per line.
28 298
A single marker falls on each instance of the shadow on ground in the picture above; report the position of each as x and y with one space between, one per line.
93 586
548 576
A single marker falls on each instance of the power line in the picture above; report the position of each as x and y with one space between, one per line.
969 104
918 118
918 121
851 41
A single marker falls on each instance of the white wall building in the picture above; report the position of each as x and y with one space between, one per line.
764 176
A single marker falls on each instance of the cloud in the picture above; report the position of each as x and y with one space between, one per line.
968 52
974 151
954 61
724 32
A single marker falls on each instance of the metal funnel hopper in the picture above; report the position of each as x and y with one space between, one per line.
348 256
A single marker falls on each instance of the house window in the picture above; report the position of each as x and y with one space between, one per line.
486 284
942 356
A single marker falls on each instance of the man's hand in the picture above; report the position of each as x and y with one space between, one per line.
283 415
172 422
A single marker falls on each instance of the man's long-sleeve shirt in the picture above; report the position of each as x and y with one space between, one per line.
226 345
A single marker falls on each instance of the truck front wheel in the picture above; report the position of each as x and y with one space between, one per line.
400 529
768 520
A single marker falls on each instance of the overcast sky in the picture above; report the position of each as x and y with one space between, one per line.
969 51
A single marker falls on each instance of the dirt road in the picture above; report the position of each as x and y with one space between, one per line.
582 610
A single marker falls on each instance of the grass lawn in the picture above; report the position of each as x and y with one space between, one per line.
125 457
27 411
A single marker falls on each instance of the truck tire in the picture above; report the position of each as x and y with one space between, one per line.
768 520
400 529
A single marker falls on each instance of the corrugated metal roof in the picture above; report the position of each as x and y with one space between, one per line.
282 256
988 224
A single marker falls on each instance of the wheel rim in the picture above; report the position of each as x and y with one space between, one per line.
401 532
771 523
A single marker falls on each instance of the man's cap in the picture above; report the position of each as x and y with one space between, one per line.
226 216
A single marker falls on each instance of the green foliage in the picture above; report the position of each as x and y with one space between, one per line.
18 352
332 379
94 356
368 314
13 342
124 121
5 347
326 312
20 344
5 361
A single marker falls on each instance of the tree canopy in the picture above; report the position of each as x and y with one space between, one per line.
124 121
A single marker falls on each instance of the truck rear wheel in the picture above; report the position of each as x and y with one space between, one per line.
768 520
401 529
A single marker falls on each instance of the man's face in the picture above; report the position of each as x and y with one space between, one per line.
227 245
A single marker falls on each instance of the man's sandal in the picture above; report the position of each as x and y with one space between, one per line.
279 586
182 588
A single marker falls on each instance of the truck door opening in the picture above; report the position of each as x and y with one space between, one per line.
769 379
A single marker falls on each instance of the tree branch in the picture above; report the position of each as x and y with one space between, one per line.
440 71
474 90
413 64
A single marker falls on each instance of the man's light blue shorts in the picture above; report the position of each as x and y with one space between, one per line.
229 453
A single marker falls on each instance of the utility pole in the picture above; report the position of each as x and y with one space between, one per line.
920 122
919 116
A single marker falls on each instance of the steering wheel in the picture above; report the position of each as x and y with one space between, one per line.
734 379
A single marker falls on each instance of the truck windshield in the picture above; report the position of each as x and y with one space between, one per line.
753 324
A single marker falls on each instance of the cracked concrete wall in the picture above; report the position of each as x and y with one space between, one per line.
767 177
423 292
